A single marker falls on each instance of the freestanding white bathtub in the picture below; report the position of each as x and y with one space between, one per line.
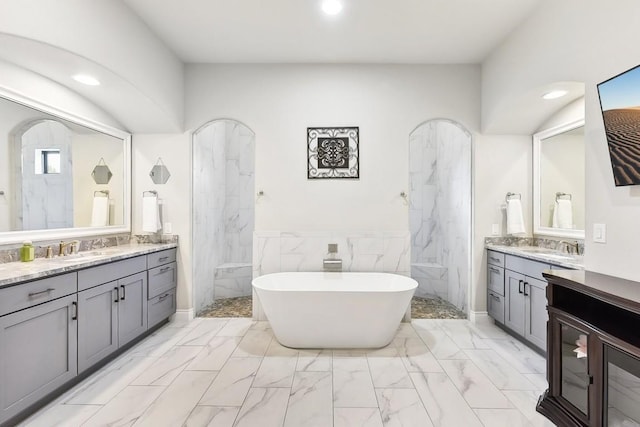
334 310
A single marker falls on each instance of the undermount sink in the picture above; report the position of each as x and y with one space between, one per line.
82 256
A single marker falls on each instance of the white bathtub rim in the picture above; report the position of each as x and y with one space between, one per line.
408 283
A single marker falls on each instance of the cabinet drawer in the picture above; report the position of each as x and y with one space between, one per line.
526 266
161 279
160 258
495 279
161 307
28 294
495 258
95 276
495 306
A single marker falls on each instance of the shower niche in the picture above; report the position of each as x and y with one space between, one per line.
223 211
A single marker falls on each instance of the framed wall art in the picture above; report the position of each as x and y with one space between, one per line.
333 153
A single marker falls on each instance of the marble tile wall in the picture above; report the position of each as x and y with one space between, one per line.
223 203
276 251
440 210
232 280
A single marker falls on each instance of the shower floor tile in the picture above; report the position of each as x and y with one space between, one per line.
421 308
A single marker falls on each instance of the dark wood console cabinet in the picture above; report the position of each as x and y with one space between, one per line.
593 357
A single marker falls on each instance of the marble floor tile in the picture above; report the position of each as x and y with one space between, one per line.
441 345
502 417
442 400
463 334
475 387
264 407
214 416
357 417
166 368
416 356
539 380
214 355
253 344
62 415
487 329
105 384
311 400
315 360
236 327
521 357
232 383
501 374
352 383
126 407
402 407
526 402
422 378
204 332
174 405
276 371
389 372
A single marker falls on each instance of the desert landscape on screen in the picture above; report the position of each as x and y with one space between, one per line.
623 136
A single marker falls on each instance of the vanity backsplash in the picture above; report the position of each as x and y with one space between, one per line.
11 253
532 241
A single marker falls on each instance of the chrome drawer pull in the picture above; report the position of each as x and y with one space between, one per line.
164 258
164 270
494 259
163 297
494 270
46 291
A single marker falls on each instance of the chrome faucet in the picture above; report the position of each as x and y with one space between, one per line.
572 247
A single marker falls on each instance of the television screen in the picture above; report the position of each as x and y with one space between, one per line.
620 104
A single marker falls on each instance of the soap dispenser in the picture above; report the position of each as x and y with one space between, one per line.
27 251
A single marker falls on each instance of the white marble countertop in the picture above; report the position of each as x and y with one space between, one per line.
537 253
15 272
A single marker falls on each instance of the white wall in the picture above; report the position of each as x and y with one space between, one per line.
278 102
501 164
176 196
586 41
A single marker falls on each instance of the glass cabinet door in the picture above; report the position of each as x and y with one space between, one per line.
622 388
574 363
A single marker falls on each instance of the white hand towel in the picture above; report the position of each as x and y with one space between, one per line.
563 214
100 211
150 214
515 220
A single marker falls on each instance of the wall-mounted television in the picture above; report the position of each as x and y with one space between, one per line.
620 104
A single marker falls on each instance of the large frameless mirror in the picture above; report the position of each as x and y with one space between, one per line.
48 182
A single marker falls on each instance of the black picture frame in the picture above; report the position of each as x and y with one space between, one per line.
333 152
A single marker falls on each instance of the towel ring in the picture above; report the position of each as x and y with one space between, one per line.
149 193
105 192
511 195
560 194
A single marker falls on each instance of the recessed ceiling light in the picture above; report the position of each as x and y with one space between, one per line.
554 94
87 80
331 7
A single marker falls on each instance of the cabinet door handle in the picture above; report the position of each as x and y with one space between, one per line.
124 293
75 309
494 270
46 291
520 282
117 294
525 289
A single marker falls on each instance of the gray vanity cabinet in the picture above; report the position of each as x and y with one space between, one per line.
162 282
525 299
495 285
97 324
113 313
38 343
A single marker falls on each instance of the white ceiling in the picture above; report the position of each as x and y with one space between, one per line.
367 31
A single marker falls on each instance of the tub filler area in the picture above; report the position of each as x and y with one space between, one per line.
334 310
